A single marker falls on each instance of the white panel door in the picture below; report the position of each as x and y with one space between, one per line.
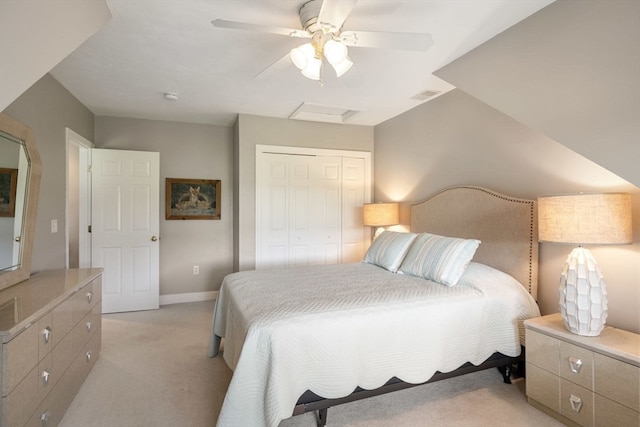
125 227
353 197
309 209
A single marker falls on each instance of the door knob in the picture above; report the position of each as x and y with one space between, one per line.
154 238
17 239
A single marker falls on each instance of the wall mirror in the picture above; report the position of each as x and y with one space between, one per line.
20 170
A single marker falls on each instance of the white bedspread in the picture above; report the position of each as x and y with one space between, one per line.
329 329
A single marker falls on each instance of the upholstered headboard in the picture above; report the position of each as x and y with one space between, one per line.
506 226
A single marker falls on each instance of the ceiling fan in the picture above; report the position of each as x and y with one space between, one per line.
322 22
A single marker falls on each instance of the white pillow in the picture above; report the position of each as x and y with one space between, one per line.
388 249
439 258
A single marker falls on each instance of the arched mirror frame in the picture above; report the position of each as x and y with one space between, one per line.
24 134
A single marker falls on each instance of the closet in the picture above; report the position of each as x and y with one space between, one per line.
309 206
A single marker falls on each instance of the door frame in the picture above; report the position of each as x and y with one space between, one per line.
84 146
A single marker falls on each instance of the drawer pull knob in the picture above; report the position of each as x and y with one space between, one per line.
575 364
45 378
89 326
44 418
576 403
88 356
89 296
46 334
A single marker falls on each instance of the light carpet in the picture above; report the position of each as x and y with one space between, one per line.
153 370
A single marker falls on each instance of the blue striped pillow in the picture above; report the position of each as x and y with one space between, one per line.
439 258
388 249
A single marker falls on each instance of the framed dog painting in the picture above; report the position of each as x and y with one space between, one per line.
192 198
8 184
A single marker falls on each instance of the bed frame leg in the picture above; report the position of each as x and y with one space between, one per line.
506 373
322 417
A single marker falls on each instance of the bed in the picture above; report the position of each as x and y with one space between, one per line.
308 338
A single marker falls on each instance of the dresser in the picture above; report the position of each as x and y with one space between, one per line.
50 330
584 381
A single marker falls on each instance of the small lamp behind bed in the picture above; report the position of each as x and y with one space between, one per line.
590 219
381 215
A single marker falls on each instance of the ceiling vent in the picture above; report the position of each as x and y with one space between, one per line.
322 113
423 96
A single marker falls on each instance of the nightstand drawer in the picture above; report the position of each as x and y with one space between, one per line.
617 380
611 414
576 403
543 387
576 364
542 351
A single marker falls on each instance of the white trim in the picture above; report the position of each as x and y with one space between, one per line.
188 297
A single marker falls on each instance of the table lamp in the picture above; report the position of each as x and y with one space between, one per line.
381 215
584 219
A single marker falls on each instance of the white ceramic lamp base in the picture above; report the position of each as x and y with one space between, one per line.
583 294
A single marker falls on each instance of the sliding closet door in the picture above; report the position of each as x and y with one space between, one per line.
309 209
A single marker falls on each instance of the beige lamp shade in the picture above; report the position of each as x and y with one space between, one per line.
381 214
585 219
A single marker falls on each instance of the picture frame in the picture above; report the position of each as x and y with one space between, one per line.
8 185
187 198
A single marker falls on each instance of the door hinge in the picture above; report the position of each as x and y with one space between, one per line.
89 168
89 229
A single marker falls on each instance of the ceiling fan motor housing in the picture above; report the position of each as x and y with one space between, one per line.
309 13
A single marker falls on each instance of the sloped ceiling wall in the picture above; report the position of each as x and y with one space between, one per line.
37 34
570 71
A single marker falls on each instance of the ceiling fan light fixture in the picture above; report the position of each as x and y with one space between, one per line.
301 55
335 51
312 70
342 67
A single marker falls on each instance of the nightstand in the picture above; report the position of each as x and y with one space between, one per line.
584 381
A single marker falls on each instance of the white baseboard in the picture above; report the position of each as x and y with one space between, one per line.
187 297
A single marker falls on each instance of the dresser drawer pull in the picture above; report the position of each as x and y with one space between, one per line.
575 364
576 403
46 334
88 356
44 418
89 326
89 296
45 378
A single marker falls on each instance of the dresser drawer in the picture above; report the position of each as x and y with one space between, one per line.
542 351
576 364
22 401
543 387
576 403
21 356
617 380
611 414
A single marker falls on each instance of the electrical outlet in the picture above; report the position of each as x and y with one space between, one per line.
54 225
196 269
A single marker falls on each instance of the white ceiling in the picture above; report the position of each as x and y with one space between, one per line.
151 47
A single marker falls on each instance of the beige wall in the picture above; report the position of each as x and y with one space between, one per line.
570 71
48 108
456 139
37 34
186 151
253 130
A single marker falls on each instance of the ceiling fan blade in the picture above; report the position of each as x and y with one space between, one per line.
290 32
402 41
333 13
278 66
